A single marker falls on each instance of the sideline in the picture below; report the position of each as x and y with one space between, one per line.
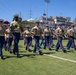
73 61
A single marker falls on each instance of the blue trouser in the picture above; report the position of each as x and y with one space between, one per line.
42 41
68 42
71 42
47 42
36 38
9 42
5 43
27 42
51 41
30 41
16 37
59 44
1 44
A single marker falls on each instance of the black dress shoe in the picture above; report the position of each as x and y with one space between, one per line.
6 49
26 48
32 46
67 48
34 51
2 58
44 48
10 52
75 49
40 52
64 51
29 50
18 56
49 48
14 53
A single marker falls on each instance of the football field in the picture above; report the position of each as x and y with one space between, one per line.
50 63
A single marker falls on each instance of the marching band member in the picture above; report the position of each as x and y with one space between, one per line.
24 28
15 27
42 40
2 32
59 35
27 34
47 34
51 37
67 36
5 41
31 38
36 31
71 42
9 36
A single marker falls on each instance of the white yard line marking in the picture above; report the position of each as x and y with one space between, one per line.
61 58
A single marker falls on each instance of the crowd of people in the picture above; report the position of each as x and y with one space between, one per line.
11 32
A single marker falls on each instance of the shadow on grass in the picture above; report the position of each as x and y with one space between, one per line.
27 55
23 51
35 54
48 52
7 57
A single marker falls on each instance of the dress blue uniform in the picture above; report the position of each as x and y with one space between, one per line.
42 40
9 36
36 31
71 42
15 27
2 32
5 43
27 35
59 38
47 34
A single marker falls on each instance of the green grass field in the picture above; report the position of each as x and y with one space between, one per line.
35 64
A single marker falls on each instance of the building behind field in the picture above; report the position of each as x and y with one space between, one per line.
54 21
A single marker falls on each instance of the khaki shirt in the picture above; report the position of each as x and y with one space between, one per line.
70 32
75 29
27 33
47 32
2 31
37 31
16 26
59 32
8 33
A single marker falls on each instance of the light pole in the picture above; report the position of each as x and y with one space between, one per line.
47 1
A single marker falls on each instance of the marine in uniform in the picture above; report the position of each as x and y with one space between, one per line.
67 36
9 36
27 35
5 41
36 31
59 35
42 39
71 42
51 37
2 32
47 34
15 27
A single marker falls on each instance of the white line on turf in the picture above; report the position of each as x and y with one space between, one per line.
73 61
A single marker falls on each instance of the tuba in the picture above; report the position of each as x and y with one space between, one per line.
16 25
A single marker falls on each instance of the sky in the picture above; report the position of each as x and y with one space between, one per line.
65 8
